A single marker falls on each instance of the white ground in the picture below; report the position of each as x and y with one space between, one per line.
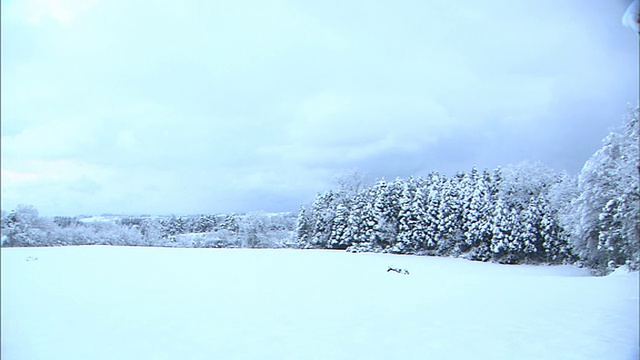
154 303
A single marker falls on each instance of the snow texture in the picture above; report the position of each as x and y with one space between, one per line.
98 302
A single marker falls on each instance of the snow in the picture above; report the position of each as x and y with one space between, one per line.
99 219
631 18
160 303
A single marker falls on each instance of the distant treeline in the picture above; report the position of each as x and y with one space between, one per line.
23 227
524 213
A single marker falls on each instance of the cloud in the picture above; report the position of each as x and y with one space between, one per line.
85 185
52 139
342 127
62 11
237 106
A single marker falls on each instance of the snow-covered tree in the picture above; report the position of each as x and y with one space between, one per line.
151 231
362 222
252 231
303 227
502 233
230 223
449 229
522 181
428 200
409 220
386 207
417 217
350 183
205 223
24 227
606 209
338 238
529 235
322 214
476 215
554 238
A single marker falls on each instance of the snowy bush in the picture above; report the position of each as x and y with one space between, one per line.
23 227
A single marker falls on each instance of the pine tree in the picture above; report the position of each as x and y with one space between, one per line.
386 209
407 220
554 239
303 228
322 214
362 222
231 223
477 233
428 200
502 228
338 238
449 228
528 235
204 223
496 183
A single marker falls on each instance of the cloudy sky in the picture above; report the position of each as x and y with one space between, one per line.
183 107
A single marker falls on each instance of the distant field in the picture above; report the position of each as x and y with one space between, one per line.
159 303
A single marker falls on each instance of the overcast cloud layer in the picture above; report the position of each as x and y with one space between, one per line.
203 107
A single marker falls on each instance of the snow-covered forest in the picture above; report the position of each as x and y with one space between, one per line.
24 227
524 213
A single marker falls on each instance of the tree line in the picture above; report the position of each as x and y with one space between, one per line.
24 227
479 215
526 213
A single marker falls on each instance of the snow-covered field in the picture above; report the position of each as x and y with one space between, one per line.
158 303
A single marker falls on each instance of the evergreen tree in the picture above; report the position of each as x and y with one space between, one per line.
338 238
554 239
322 214
476 212
408 220
502 239
450 217
386 209
428 200
496 183
362 222
204 223
528 235
231 223
303 227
